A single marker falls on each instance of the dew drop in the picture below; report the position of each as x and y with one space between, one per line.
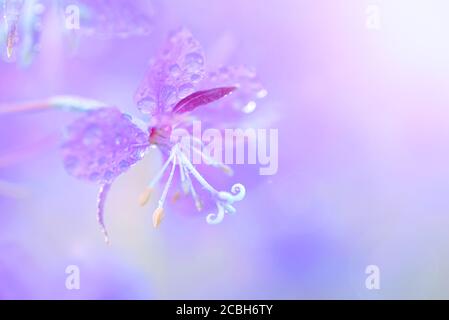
92 130
147 103
174 70
250 107
120 140
213 76
195 77
94 176
194 61
138 155
261 93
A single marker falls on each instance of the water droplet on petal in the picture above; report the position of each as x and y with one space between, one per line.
147 103
91 135
168 94
102 160
195 77
123 165
184 90
261 93
250 107
108 175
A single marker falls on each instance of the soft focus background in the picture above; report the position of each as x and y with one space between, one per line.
363 119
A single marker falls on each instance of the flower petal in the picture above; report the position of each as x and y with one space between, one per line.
173 75
103 144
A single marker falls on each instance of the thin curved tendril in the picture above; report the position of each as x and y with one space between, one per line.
192 190
224 203
211 161
196 174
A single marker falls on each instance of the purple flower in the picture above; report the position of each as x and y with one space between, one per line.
104 142
102 145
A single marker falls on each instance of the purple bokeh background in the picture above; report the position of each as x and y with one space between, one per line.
363 174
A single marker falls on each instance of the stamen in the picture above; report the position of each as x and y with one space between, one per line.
168 184
161 172
159 212
158 215
146 194
198 203
224 200
10 43
224 203
188 182
196 174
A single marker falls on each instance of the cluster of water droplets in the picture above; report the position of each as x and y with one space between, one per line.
173 75
249 88
102 145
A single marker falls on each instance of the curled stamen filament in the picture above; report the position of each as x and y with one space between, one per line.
224 200
168 184
196 174
191 188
